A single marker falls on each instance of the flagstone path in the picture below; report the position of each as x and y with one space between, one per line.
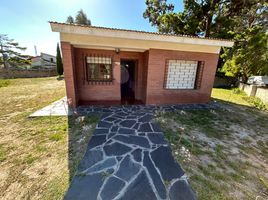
128 158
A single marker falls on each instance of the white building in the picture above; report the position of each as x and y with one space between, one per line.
44 61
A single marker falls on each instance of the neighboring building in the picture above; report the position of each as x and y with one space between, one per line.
116 65
44 61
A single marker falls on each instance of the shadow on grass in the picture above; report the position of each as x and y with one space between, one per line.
80 130
59 78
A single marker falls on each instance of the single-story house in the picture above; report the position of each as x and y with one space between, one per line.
45 61
110 65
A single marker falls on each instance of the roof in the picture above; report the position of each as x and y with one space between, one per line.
46 54
78 34
139 31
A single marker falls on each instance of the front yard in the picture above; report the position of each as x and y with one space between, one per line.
37 155
223 151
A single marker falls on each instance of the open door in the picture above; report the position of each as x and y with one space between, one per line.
128 81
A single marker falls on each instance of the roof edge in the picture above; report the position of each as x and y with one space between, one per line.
52 23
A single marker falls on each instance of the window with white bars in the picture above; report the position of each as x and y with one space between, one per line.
99 69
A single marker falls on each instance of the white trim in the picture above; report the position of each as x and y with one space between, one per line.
90 42
108 48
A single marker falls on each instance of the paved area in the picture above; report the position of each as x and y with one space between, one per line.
128 158
57 108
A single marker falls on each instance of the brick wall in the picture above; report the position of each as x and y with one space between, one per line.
69 73
158 94
107 92
150 76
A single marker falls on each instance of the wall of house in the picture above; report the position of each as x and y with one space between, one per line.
157 94
150 76
87 92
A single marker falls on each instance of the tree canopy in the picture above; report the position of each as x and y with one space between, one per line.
81 18
70 20
244 21
10 52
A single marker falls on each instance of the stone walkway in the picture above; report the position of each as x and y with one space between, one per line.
128 158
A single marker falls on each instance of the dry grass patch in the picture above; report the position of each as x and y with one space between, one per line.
223 151
38 156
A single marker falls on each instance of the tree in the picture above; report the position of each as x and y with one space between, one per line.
81 18
249 56
70 20
59 61
9 52
244 21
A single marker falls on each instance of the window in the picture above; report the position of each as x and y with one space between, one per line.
99 69
181 74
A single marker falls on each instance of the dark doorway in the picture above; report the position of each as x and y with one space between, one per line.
128 68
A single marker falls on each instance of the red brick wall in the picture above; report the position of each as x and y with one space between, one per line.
144 75
157 94
150 74
69 72
106 92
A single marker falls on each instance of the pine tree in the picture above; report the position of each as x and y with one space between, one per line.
70 20
59 61
9 52
81 18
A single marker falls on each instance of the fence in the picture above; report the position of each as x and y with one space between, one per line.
27 73
254 90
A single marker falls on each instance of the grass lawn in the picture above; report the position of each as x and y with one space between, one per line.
223 151
38 156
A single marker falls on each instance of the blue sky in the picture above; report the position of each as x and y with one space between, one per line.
27 21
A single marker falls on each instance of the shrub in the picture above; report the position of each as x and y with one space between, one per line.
4 83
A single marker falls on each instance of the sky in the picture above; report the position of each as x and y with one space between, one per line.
26 21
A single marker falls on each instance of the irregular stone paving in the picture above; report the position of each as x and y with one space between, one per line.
128 158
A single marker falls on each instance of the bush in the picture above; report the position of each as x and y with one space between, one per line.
237 91
4 83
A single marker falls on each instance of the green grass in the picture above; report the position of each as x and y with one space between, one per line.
56 137
4 82
230 95
30 159
238 97
3 153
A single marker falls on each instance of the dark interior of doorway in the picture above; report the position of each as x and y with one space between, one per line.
128 68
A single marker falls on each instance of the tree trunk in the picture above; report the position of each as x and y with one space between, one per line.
210 16
4 58
244 78
208 24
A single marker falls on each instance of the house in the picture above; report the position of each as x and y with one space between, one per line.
44 61
125 66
